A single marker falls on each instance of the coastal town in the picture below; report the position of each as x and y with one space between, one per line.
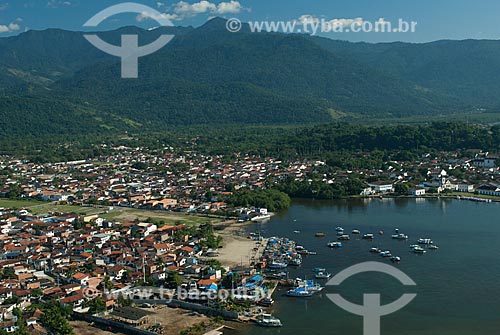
111 237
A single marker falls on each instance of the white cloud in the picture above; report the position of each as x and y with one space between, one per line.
187 9
184 9
232 7
9 28
307 19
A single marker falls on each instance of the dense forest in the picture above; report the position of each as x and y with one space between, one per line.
339 144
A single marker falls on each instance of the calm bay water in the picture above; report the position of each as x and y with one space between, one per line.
458 285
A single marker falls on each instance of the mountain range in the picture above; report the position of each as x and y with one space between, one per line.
55 81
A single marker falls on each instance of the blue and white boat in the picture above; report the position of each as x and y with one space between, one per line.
299 292
335 245
319 270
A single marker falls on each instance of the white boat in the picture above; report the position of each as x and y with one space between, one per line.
267 320
261 217
368 237
419 250
296 231
433 247
323 275
427 241
344 238
375 250
386 254
277 266
395 259
339 229
335 245
319 270
356 232
400 237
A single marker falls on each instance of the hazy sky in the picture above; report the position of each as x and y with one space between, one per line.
437 19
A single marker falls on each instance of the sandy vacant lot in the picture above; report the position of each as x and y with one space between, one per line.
238 249
172 320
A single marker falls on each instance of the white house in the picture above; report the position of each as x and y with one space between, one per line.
382 187
417 191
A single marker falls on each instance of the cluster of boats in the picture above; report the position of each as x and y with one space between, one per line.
416 248
281 253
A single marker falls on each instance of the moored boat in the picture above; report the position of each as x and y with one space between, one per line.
267 320
299 292
335 245
323 275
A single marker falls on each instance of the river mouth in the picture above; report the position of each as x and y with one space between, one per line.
457 286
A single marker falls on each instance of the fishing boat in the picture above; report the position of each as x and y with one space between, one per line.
427 241
395 259
322 275
356 232
320 235
296 231
368 237
344 238
319 270
339 229
277 266
295 262
267 320
312 253
299 292
433 247
400 237
375 250
335 245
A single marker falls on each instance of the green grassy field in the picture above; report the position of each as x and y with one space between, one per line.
16 204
